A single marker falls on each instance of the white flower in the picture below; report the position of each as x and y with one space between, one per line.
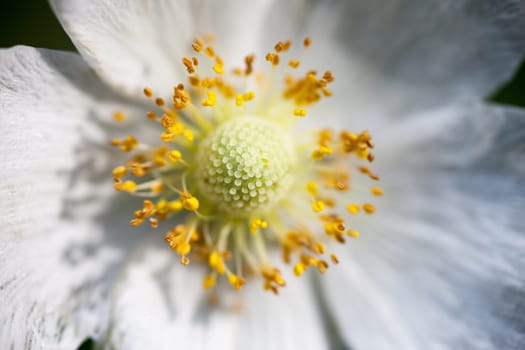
440 266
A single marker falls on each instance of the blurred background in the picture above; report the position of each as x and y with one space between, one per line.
31 22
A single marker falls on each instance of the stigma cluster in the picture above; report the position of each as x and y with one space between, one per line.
227 180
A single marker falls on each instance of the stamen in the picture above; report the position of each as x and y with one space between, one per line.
236 178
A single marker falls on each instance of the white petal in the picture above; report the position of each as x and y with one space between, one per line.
53 270
441 264
160 304
133 44
433 51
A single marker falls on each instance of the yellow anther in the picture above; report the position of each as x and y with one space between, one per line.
148 92
217 263
136 222
128 144
322 266
154 222
197 45
312 188
255 224
327 92
299 112
318 206
320 247
184 260
181 98
209 51
236 281
353 208
273 58
369 208
176 128
250 95
183 248
279 47
119 172
190 203
319 153
211 101
307 42
188 135
334 259
352 233
157 188
175 206
151 115
194 80
174 156
162 206
294 63
119 116
299 269
159 102
209 281
376 191
129 186
187 62
218 68
239 100
167 136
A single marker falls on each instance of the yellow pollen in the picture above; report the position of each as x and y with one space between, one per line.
353 233
312 188
307 42
119 116
183 248
148 92
353 208
236 281
119 172
318 206
217 263
209 281
294 63
218 68
299 269
376 191
129 186
175 156
369 208
152 115
255 224
298 112
190 203
159 102
211 100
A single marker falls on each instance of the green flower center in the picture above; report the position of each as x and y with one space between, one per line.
244 166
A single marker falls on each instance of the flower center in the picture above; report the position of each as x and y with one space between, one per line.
245 166
230 158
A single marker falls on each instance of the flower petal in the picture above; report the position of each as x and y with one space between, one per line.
53 271
434 51
441 264
161 304
136 43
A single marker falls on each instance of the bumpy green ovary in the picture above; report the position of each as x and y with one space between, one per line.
244 167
